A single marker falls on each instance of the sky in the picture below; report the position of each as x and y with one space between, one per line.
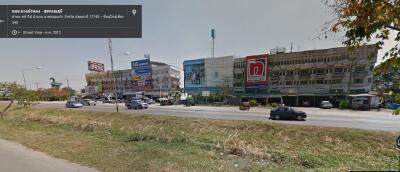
173 31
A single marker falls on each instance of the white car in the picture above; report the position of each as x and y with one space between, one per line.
88 102
326 105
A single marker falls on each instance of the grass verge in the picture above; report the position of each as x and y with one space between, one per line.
123 142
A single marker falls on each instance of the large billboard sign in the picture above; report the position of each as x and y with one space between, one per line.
194 73
142 75
94 66
257 70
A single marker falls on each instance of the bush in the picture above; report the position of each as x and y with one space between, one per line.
396 112
253 103
274 105
343 104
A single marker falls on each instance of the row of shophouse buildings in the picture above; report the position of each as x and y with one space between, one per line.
294 77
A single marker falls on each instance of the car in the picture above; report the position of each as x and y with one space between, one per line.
136 104
149 101
88 102
284 112
325 105
73 104
392 105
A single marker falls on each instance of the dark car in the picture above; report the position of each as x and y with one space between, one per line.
287 113
136 104
73 104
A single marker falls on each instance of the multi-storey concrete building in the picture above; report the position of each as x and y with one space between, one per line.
239 69
209 74
307 77
165 78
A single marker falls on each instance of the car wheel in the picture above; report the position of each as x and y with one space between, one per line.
277 117
300 118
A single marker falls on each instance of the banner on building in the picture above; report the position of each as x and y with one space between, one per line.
257 70
92 90
142 75
94 66
194 73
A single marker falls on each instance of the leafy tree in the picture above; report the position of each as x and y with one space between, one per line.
363 20
15 92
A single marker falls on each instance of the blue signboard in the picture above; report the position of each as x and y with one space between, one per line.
194 73
142 75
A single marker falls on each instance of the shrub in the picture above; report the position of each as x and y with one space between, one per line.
253 103
396 112
343 104
274 105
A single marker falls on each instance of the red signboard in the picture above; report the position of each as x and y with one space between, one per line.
94 66
257 70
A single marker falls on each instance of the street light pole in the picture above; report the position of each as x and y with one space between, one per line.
112 73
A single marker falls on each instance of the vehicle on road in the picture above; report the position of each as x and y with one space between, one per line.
326 105
73 104
136 104
244 106
284 112
88 102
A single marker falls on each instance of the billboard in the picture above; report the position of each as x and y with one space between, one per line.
92 89
142 75
194 73
257 70
94 66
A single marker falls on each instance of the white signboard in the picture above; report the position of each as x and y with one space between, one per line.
92 89
205 93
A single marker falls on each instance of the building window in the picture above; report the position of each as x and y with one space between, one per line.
369 80
336 81
358 81
289 82
319 71
371 68
359 69
338 70
216 74
320 81
303 82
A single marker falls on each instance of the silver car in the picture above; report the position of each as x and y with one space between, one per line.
326 105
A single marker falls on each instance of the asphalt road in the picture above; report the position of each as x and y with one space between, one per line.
17 158
370 120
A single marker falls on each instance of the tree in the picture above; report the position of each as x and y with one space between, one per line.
363 20
15 92
387 75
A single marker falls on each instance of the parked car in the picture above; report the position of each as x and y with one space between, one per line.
325 105
73 104
166 101
244 106
88 102
285 112
360 104
136 104
149 101
306 103
392 105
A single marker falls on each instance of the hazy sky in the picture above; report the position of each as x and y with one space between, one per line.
173 31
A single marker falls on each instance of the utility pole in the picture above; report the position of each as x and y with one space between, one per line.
67 82
37 85
112 73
